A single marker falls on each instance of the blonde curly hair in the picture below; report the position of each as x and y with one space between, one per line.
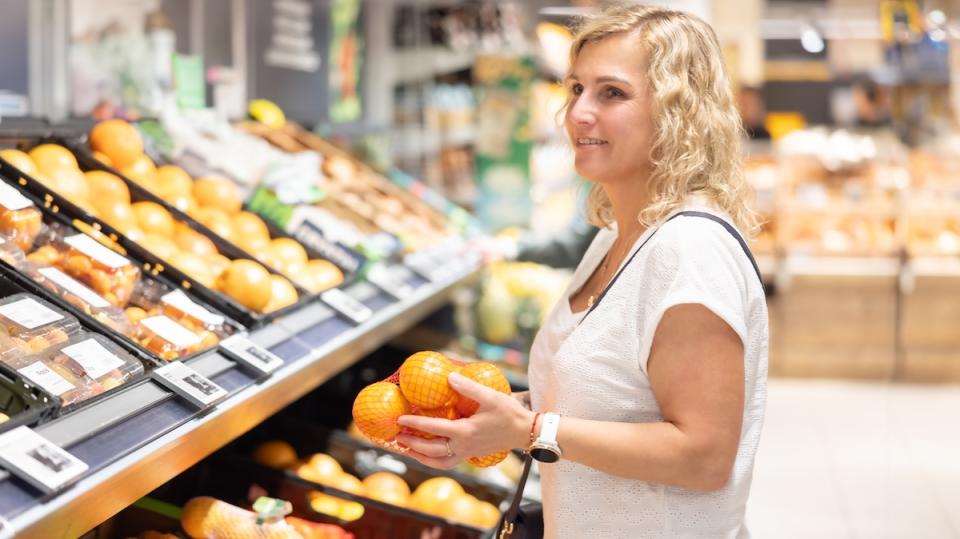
698 131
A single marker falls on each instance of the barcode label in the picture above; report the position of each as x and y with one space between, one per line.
92 248
29 313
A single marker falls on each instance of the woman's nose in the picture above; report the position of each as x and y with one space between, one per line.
582 111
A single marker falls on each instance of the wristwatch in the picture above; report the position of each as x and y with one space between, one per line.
545 448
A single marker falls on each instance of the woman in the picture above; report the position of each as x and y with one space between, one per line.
660 383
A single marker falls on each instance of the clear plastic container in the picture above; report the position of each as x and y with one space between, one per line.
80 296
170 340
106 272
95 357
33 325
56 378
10 252
20 220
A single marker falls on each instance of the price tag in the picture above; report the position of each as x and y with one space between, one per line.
178 300
254 356
38 461
197 389
12 200
75 287
29 313
171 331
96 360
41 375
422 266
347 306
383 279
95 250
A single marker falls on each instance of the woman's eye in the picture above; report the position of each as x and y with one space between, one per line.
576 89
614 92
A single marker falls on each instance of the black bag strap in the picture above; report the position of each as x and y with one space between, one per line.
691 213
509 519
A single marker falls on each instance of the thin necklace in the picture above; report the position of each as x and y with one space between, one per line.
592 298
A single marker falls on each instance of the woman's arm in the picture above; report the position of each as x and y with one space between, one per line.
696 372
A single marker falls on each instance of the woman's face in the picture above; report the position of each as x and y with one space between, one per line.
609 119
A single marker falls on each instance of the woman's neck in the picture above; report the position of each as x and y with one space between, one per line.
627 201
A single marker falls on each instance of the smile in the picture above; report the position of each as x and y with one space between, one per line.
590 141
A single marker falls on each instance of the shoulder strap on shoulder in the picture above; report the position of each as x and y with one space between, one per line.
733 232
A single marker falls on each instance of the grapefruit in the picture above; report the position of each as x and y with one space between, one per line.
118 140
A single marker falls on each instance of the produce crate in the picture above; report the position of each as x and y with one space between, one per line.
152 263
929 333
56 212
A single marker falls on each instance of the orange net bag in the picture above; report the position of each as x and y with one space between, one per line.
420 387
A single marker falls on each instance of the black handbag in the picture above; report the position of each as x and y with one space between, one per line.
526 521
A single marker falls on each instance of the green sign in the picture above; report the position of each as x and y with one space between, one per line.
188 81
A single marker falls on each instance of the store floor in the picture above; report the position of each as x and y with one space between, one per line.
859 461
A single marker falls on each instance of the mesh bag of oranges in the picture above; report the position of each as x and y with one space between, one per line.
419 387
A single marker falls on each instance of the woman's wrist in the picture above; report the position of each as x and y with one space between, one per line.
523 426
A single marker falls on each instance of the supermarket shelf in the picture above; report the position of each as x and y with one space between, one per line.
315 345
934 266
841 266
419 64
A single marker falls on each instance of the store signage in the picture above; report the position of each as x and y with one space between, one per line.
383 278
246 352
195 388
312 237
38 461
345 305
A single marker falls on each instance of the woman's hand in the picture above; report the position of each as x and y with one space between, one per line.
500 423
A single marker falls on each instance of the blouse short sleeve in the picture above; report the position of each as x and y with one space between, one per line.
693 260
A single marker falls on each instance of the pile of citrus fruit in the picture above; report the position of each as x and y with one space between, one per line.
421 388
439 496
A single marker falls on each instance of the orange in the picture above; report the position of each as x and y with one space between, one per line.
325 469
483 373
217 221
459 508
433 492
171 182
50 158
376 410
444 412
134 234
250 225
287 253
161 246
103 158
191 241
318 275
217 192
118 140
118 214
194 266
248 283
153 218
486 514
184 203
282 294
423 379
141 171
381 485
275 454
20 160
348 483
71 184
218 263
105 187
488 460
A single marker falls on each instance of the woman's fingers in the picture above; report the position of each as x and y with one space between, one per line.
484 395
432 425
434 448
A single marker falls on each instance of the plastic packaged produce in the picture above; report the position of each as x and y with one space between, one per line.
31 325
10 252
20 220
169 339
79 295
55 378
94 356
108 273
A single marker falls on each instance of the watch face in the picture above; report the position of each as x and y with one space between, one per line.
544 454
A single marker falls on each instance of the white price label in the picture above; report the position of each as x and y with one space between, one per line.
75 287
11 199
423 267
95 250
189 384
29 313
178 300
171 331
38 461
347 306
245 351
45 377
383 279
96 360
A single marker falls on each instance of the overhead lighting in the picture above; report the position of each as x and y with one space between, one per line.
936 18
811 41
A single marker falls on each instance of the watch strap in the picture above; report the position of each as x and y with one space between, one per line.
551 425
